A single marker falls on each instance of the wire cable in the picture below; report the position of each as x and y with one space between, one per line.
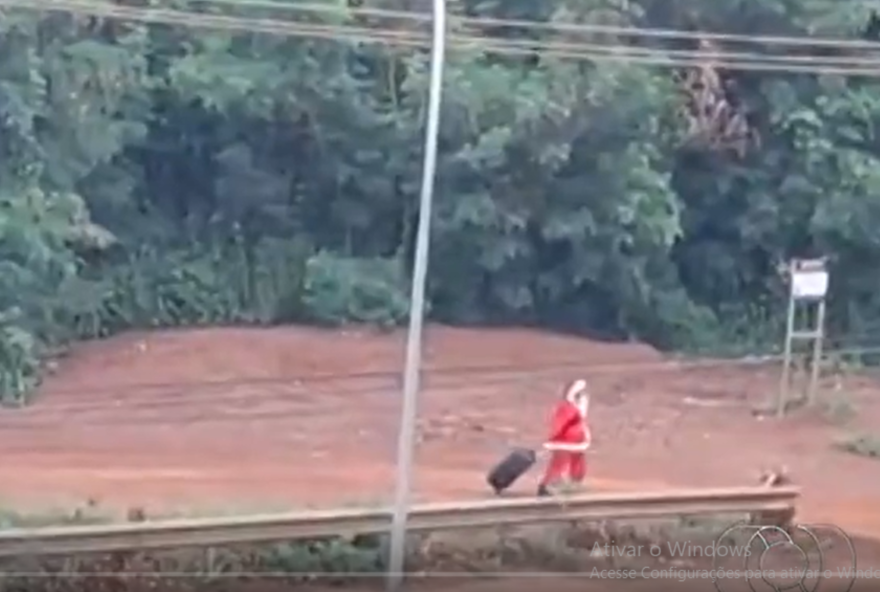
700 57
634 32
524 44
408 39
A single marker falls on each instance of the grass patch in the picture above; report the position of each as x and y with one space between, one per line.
88 513
838 408
867 445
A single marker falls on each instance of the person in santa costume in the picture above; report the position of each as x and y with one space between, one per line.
569 438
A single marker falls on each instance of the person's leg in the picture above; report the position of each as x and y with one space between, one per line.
578 467
557 466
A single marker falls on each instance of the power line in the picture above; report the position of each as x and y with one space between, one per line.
621 54
635 32
529 45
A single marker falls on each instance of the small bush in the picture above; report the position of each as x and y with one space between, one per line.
343 289
334 556
19 359
224 285
838 408
867 445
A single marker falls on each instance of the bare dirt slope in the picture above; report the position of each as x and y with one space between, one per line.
262 419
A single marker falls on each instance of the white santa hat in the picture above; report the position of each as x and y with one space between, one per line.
578 396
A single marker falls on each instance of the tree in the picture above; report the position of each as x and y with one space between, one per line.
161 176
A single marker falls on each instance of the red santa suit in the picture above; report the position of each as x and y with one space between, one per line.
569 437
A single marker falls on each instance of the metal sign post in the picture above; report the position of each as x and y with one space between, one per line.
809 285
412 367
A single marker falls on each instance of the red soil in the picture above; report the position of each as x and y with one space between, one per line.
262 419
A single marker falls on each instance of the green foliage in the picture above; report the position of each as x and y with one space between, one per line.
162 176
339 289
19 358
40 234
333 556
194 287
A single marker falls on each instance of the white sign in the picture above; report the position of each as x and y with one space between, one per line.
809 284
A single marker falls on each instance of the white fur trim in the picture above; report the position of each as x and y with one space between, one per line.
577 388
567 447
583 404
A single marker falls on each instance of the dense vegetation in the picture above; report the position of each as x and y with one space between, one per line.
156 175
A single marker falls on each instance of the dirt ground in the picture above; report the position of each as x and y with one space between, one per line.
246 419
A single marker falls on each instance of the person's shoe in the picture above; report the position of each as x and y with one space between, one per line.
543 491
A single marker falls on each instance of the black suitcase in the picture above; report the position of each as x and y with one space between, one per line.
511 468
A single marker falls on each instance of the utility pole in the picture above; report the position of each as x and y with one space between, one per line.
809 285
412 365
